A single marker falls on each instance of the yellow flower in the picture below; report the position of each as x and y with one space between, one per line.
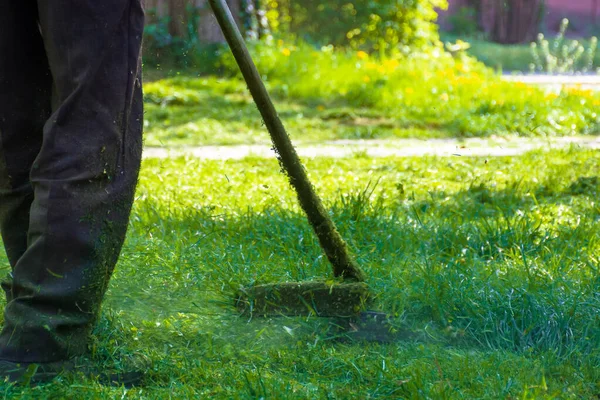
320 107
362 55
366 79
462 67
391 64
286 52
371 65
444 97
409 90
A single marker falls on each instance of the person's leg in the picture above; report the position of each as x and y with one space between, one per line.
25 87
83 178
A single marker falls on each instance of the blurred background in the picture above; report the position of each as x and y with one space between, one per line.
499 31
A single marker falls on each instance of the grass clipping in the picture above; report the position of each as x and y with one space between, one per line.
321 299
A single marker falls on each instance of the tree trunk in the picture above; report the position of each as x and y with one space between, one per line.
476 5
208 28
515 21
158 8
178 18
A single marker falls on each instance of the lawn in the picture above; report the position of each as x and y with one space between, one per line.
325 94
507 58
501 57
489 266
207 111
220 112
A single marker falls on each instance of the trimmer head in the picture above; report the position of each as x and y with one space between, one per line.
304 298
322 299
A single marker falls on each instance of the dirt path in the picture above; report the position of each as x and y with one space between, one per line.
489 147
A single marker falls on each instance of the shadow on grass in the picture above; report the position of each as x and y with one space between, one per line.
485 268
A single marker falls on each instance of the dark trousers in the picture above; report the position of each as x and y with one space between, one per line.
70 150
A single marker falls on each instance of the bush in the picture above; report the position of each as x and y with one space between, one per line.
376 25
158 42
389 27
561 57
464 22
161 48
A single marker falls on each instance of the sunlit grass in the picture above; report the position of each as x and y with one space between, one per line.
212 111
333 94
493 263
505 57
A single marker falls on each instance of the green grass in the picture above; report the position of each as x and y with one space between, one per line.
500 57
493 263
333 94
506 58
208 111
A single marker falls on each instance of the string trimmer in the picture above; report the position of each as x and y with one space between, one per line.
349 295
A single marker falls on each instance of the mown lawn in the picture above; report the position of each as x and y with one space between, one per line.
490 266
328 94
211 111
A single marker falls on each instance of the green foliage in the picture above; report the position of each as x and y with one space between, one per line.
397 26
464 21
562 57
489 266
389 27
385 26
160 49
157 39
